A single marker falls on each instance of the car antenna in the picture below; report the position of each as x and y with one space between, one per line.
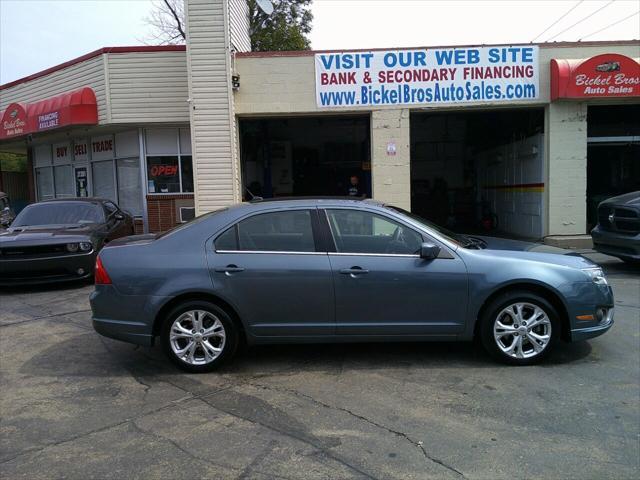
253 198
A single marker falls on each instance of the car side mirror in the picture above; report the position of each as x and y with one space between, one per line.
429 251
118 216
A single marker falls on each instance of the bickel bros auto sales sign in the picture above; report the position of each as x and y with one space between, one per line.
427 76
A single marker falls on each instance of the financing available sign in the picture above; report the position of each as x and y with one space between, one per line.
427 76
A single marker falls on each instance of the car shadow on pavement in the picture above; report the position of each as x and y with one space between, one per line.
46 287
90 355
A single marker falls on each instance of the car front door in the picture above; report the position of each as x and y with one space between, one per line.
270 267
383 287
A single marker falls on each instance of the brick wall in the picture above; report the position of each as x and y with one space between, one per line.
161 211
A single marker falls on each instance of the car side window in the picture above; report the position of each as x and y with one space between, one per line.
357 231
110 207
228 240
289 231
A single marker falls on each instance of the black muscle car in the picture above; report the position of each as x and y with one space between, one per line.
618 230
58 240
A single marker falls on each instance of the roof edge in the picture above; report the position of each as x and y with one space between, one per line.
305 53
90 55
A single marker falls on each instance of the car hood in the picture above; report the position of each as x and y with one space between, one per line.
628 199
494 243
533 251
20 236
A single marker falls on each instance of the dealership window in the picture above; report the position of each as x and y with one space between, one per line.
169 161
53 171
103 181
129 197
105 166
44 183
63 181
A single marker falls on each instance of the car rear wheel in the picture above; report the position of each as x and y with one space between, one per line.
520 328
198 336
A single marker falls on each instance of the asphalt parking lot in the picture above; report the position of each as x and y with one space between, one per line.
75 405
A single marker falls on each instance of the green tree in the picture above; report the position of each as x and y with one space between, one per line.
287 28
12 162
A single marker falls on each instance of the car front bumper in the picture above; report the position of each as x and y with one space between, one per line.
50 269
585 333
590 300
616 244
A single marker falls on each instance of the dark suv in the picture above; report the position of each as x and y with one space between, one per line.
618 230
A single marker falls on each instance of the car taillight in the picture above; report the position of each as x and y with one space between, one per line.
102 277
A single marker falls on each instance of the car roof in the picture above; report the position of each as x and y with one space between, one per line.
310 202
77 199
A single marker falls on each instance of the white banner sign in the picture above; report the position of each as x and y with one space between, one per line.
427 76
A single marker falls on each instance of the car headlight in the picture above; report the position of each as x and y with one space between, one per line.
72 247
85 246
597 275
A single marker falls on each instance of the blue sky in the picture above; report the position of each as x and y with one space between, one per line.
37 34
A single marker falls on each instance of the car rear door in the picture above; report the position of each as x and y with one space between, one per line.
383 287
271 267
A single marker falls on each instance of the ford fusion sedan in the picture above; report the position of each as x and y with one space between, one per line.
618 230
58 240
337 270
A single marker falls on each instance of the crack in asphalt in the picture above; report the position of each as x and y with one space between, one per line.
251 466
293 435
398 433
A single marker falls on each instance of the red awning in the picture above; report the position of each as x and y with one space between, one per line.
78 107
602 76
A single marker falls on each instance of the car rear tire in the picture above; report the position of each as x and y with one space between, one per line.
520 328
199 336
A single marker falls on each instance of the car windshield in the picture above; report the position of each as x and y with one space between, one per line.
59 213
457 238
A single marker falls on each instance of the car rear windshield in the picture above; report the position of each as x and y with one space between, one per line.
59 213
190 223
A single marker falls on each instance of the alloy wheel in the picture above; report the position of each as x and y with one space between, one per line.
197 337
522 330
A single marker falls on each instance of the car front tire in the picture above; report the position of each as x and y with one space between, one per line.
520 328
199 336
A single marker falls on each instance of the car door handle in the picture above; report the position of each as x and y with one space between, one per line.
353 271
229 269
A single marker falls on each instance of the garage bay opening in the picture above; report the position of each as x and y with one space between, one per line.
481 171
613 154
305 156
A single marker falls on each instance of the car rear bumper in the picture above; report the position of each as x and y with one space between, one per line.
25 271
616 244
129 318
131 332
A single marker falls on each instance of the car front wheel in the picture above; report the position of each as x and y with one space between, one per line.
520 328
199 336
